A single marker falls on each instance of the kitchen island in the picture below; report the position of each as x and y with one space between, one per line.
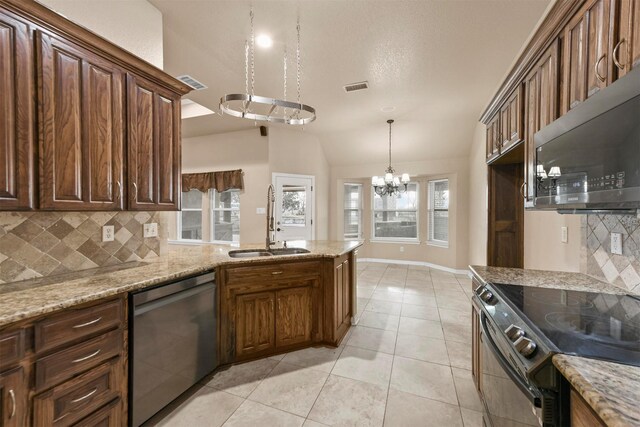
66 337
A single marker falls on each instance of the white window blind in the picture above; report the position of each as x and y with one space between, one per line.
225 216
352 211
439 212
396 218
190 218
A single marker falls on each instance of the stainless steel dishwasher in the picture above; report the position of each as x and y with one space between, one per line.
172 342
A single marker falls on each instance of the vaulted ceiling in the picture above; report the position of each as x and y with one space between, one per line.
436 62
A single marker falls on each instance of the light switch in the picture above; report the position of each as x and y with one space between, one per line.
108 233
616 243
261 211
564 234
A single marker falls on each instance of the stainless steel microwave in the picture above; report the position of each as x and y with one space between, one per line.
589 159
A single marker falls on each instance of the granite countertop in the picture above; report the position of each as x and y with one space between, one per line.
611 389
544 279
27 299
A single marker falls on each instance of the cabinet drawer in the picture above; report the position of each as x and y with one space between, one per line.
72 325
58 367
279 272
11 348
77 398
109 416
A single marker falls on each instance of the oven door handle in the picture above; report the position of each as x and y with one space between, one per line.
533 398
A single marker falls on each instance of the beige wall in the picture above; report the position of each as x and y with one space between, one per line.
543 249
284 150
478 203
456 170
297 152
135 25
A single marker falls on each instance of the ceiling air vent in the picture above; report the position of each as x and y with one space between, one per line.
190 81
352 87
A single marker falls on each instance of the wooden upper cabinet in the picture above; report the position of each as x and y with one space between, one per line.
587 59
293 316
626 51
493 138
541 88
511 127
81 108
16 114
153 146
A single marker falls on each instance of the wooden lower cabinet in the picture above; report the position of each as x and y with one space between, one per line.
293 316
13 398
255 323
341 299
581 413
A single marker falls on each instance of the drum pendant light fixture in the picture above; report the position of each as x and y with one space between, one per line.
389 184
250 106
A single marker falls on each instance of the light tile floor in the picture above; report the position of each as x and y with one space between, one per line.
407 363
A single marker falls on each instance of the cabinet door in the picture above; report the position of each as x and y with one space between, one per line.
541 108
626 53
493 138
293 316
346 293
255 323
13 399
512 130
16 115
154 146
81 131
586 63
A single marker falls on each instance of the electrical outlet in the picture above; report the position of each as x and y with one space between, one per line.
108 233
150 230
401 248
261 211
564 234
616 243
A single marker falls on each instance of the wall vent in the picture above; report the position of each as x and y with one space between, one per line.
352 87
190 81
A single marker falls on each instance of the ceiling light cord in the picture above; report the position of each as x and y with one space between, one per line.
390 169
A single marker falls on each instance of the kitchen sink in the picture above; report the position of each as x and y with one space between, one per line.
253 253
248 253
289 251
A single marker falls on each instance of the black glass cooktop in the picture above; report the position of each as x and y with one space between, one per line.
602 326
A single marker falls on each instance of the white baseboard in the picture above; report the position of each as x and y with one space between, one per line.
421 263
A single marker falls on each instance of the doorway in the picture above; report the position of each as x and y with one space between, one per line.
295 200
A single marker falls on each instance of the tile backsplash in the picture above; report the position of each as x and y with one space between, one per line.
620 270
37 244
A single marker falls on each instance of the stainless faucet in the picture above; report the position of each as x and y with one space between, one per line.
271 200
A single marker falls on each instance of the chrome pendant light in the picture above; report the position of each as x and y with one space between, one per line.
250 106
389 184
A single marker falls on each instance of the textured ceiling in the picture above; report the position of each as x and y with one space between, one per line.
437 62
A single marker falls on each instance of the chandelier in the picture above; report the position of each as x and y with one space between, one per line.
250 106
389 184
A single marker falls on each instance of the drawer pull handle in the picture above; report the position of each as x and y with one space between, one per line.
596 68
86 396
616 59
276 272
12 398
82 325
82 359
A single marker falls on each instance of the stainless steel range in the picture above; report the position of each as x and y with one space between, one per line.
523 327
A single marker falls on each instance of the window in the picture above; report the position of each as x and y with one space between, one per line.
210 217
396 218
294 205
225 214
190 218
352 211
439 212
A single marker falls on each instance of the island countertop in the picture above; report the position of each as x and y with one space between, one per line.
31 298
612 390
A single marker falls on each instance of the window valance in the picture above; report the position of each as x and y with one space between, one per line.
219 181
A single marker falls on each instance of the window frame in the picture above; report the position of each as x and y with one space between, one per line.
179 220
212 210
396 239
359 209
431 241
